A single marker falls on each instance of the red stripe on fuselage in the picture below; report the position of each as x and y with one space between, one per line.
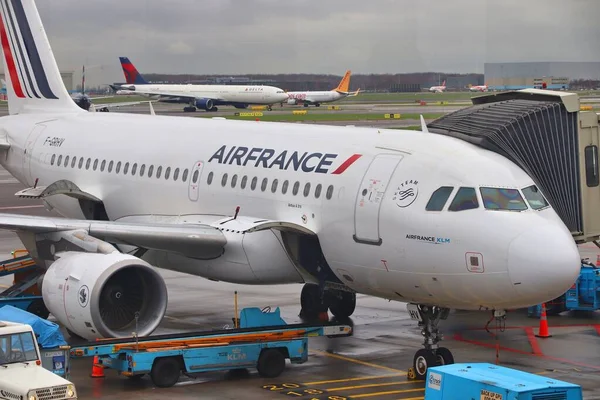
346 164
10 62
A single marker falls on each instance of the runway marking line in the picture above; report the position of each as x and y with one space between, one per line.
352 379
458 337
360 396
353 360
533 342
369 385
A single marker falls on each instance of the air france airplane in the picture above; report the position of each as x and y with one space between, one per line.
205 97
415 217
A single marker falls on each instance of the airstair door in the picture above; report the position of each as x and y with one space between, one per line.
28 155
194 187
370 196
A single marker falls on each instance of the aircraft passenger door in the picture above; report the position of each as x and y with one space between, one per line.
370 196
195 179
28 152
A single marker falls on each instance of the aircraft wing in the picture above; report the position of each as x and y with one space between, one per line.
117 105
192 240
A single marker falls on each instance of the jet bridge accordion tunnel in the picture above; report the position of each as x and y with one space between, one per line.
549 137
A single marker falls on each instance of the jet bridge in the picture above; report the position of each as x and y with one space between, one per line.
546 134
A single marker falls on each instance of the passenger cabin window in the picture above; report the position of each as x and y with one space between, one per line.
502 199
209 178
195 176
59 162
439 198
233 180
73 162
126 168
110 166
103 165
263 185
52 159
176 175
133 168
66 161
306 191
168 173
158 171
465 199
244 182
253 184
329 193
223 180
80 163
284 187
118 169
95 164
591 166
142 169
535 198
274 185
318 191
87 163
150 171
185 174
295 188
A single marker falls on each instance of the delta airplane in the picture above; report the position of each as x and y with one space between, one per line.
205 97
414 217
478 88
438 89
317 97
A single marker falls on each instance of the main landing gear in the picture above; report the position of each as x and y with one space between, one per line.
315 300
431 355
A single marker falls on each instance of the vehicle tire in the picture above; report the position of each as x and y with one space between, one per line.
165 372
271 363
38 308
344 307
310 301
444 356
422 361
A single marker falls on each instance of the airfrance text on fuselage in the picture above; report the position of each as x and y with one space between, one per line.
270 158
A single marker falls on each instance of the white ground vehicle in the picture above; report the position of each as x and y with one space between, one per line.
21 373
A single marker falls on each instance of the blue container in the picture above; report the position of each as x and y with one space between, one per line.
485 381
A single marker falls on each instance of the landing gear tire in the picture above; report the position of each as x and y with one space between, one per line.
344 305
317 105
311 301
214 109
271 363
269 108
165 372
189 109
444 356
305 104
423 360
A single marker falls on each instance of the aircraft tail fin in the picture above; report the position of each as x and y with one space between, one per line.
33 82
444 83
344 83
132 76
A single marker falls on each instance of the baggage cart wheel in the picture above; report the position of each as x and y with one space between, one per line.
165 371
271 363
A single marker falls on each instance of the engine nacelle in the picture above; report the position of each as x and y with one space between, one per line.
205 104
99 295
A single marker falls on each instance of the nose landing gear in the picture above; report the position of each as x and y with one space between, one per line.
431 355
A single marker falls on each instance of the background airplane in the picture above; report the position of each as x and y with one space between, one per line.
205 97
478 88
317 97
438 89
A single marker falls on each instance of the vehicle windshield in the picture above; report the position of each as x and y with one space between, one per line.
502 199
535 198
17 347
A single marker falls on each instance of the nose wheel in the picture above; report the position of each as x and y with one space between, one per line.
431 355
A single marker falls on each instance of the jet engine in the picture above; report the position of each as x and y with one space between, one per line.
105 295
292 101
205 104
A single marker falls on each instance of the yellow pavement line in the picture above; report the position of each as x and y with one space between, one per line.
344 358
4 286
368 386
352 379
358 396
414 398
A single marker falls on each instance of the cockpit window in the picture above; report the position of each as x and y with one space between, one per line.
465 199
535 198
502 199
439 198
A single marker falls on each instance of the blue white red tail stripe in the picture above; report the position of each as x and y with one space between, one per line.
23 61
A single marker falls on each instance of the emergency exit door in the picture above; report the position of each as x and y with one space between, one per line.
194 187
370 196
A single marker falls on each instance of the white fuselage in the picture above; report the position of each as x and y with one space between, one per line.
437 89
482 88
227 93
375 240
315 96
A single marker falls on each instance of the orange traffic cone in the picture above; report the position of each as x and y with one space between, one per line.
543 331
97 369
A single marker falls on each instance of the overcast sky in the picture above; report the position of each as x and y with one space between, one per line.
321 36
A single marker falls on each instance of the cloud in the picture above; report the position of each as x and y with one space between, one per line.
277 36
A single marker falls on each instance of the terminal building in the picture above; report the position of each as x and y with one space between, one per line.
522 75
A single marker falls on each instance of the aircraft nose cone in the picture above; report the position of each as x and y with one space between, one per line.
543 263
